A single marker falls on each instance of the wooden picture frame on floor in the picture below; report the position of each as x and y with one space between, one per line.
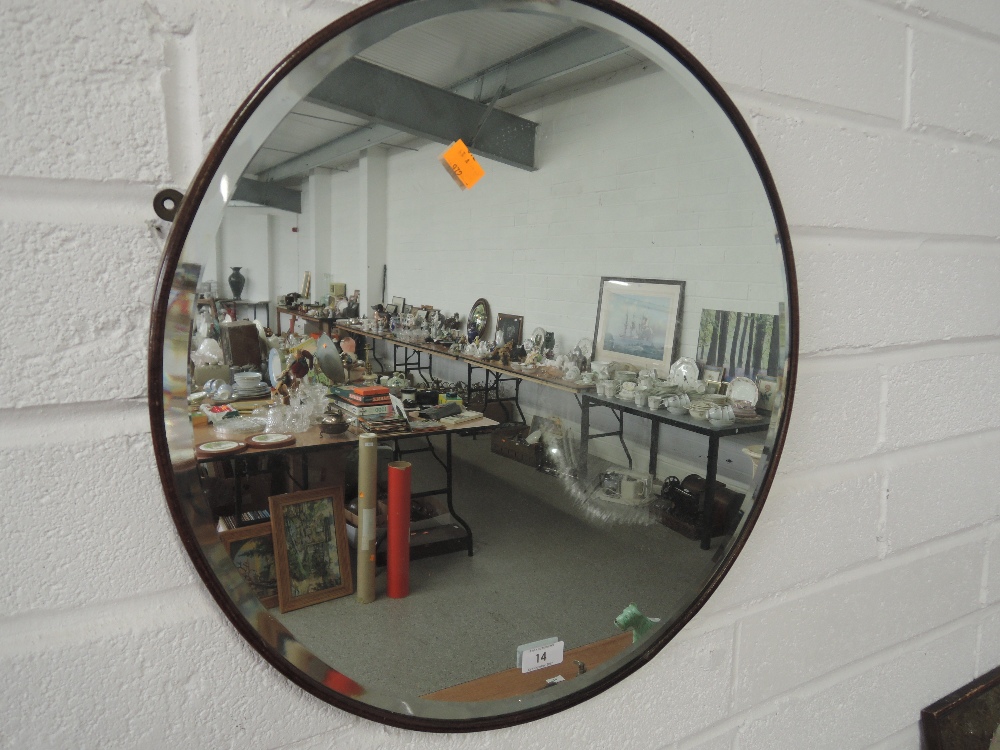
251 548
310 547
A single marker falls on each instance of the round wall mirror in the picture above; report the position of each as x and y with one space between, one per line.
569 499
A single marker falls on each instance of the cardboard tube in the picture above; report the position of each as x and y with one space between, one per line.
398 550
367 492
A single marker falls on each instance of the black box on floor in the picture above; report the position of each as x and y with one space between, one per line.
508 441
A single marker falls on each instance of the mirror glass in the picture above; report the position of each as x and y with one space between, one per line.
575 493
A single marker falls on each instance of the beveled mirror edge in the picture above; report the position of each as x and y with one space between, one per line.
168 267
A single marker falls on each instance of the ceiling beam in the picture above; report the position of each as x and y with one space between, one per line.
351 144
565 54
268 194
387 98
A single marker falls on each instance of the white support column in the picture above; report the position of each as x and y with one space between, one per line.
273 259
316 230
374 184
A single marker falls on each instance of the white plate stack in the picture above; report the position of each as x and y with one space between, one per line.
249 385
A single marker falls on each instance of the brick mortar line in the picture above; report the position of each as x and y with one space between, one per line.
66 424
50 630
886 460
846 360
813 231
783 106
931 21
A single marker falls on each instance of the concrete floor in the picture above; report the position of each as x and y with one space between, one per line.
543 566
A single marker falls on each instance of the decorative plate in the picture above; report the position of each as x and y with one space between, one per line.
341 305
274 367
328 356
270 440
586 347
220 448
743 389
684 370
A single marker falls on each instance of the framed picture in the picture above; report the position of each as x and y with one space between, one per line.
407 309
510 326
399 302
713 374
310 547
251 549
639 321
391 308
716 387
966 718
767 387
745 344
306 284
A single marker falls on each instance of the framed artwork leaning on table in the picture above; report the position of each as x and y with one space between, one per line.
311 555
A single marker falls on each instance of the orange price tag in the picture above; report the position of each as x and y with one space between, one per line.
462 165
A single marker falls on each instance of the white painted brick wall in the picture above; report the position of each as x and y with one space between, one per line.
871 585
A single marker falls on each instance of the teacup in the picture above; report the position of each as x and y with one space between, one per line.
655 402
640 399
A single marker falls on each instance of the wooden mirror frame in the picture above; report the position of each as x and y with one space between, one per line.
174 246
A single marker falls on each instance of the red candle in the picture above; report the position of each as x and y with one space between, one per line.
398 550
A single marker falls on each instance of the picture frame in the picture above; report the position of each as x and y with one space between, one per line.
251 548
639 321
391 308
311 555
399 302
306 284
511 326
767 388
967 717
716 387
745 344
407 309
713 374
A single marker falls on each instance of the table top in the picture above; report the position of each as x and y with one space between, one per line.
683 421
440 350
305 316
312 439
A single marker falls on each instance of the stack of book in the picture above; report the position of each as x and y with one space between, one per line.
248 517
385 423
362 401
371 406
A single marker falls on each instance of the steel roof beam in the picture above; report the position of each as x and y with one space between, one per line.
268 194
560 56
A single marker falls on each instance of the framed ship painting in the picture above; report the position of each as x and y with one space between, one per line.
639 321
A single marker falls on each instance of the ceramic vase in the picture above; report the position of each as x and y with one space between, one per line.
237 281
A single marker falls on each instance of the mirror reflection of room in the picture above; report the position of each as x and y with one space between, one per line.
518 419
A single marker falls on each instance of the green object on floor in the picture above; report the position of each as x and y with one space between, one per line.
632 619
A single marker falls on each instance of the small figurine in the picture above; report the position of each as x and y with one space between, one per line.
632 619
292 374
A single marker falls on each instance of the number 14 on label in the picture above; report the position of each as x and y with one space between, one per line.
541 657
